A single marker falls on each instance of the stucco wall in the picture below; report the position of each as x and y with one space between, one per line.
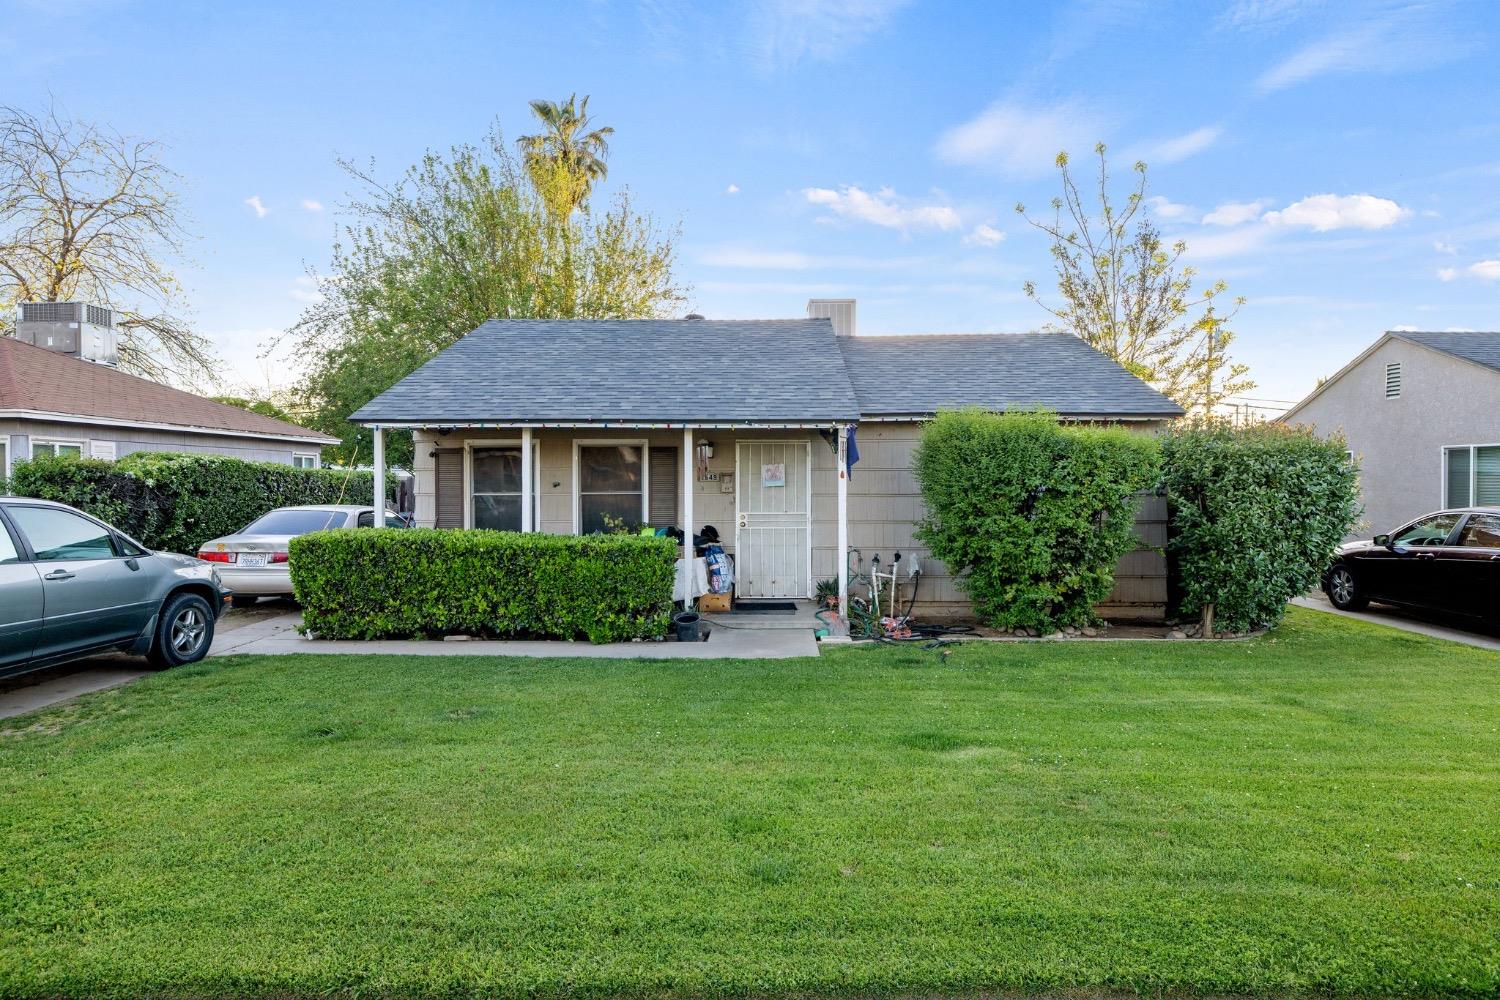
1399 442
20 433
884 505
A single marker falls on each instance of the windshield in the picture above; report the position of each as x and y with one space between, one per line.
296 522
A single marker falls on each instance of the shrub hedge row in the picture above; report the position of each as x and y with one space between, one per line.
1256 514
396 583
177 502
1029 514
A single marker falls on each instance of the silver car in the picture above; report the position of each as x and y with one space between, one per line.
254 562
72 586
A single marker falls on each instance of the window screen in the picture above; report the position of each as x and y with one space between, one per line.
496 476
610 487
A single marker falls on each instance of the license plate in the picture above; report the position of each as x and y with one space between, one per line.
253 560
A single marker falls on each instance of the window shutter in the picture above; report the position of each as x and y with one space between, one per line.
449 480
662 504
1393 380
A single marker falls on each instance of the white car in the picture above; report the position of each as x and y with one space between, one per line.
255 563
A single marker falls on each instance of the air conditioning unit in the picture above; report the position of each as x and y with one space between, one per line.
77 328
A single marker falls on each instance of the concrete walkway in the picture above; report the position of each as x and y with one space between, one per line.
279 636
1406 621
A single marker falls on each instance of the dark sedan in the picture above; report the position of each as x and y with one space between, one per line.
1448 561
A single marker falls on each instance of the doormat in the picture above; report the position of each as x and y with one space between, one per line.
764 608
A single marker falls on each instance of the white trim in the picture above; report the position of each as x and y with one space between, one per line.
689 553
149 425
841 469
377 498
1473 450
32 442
641 443
5 441
469 447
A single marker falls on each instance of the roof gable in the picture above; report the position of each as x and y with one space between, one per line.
37 380
1480 347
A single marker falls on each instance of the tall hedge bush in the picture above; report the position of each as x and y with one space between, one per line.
177 502
1029 514
397 583
1256 513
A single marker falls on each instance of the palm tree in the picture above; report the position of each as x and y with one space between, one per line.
566 159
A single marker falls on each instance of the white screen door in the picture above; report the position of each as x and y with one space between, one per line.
771 535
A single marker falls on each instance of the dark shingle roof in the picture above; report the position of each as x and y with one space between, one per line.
727 371
909 375
628 371
1482 348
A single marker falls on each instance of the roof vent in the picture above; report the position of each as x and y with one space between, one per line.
693 316
1393 380
840 311
77 328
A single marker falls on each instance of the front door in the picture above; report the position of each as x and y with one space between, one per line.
773 530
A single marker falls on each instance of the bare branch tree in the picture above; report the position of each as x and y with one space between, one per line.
87 213
1124 293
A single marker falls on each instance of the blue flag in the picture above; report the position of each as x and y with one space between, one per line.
851 453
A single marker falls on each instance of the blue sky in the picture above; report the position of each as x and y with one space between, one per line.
1337 163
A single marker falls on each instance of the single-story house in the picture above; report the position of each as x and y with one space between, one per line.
52 403
1421 412
570 425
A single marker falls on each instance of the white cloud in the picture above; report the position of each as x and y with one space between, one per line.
1180 148
312 205
1489 270
1265 13
883 208
1326 212
1164 208
1405 328
984 235
1235 213
1020 141
1442 247
1447 273
306 290
255 203
732 189
1397 38
1229 243
786 32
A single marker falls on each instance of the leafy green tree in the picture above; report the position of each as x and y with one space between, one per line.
1125 294
569 157
264 407
462 238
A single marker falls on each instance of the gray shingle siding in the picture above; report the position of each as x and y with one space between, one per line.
733 371
1480 348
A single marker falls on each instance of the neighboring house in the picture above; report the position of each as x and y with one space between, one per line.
1421 412
556 425
56 404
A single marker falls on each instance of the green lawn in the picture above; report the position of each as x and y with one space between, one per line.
1317 811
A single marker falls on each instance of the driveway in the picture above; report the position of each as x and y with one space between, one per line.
1438 626
27 693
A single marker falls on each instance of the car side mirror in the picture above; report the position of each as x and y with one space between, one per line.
1383 540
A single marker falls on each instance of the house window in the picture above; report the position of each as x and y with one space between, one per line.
1393 380
301 460
495 487
58 449
4 459
611 487
1471 476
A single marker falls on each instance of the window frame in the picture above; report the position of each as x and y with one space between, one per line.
116 541
317 461
536 475
1473 450
53 443
1458 539
580 443
5 457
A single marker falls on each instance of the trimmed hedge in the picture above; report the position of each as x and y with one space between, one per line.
1256 514
1031 515
176 502
424 583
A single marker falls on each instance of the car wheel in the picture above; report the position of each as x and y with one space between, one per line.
243 601
1344 590
184 631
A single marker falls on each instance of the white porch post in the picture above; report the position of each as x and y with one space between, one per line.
843 470
687 516
379 477
527 476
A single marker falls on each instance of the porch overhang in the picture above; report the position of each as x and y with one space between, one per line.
632 425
